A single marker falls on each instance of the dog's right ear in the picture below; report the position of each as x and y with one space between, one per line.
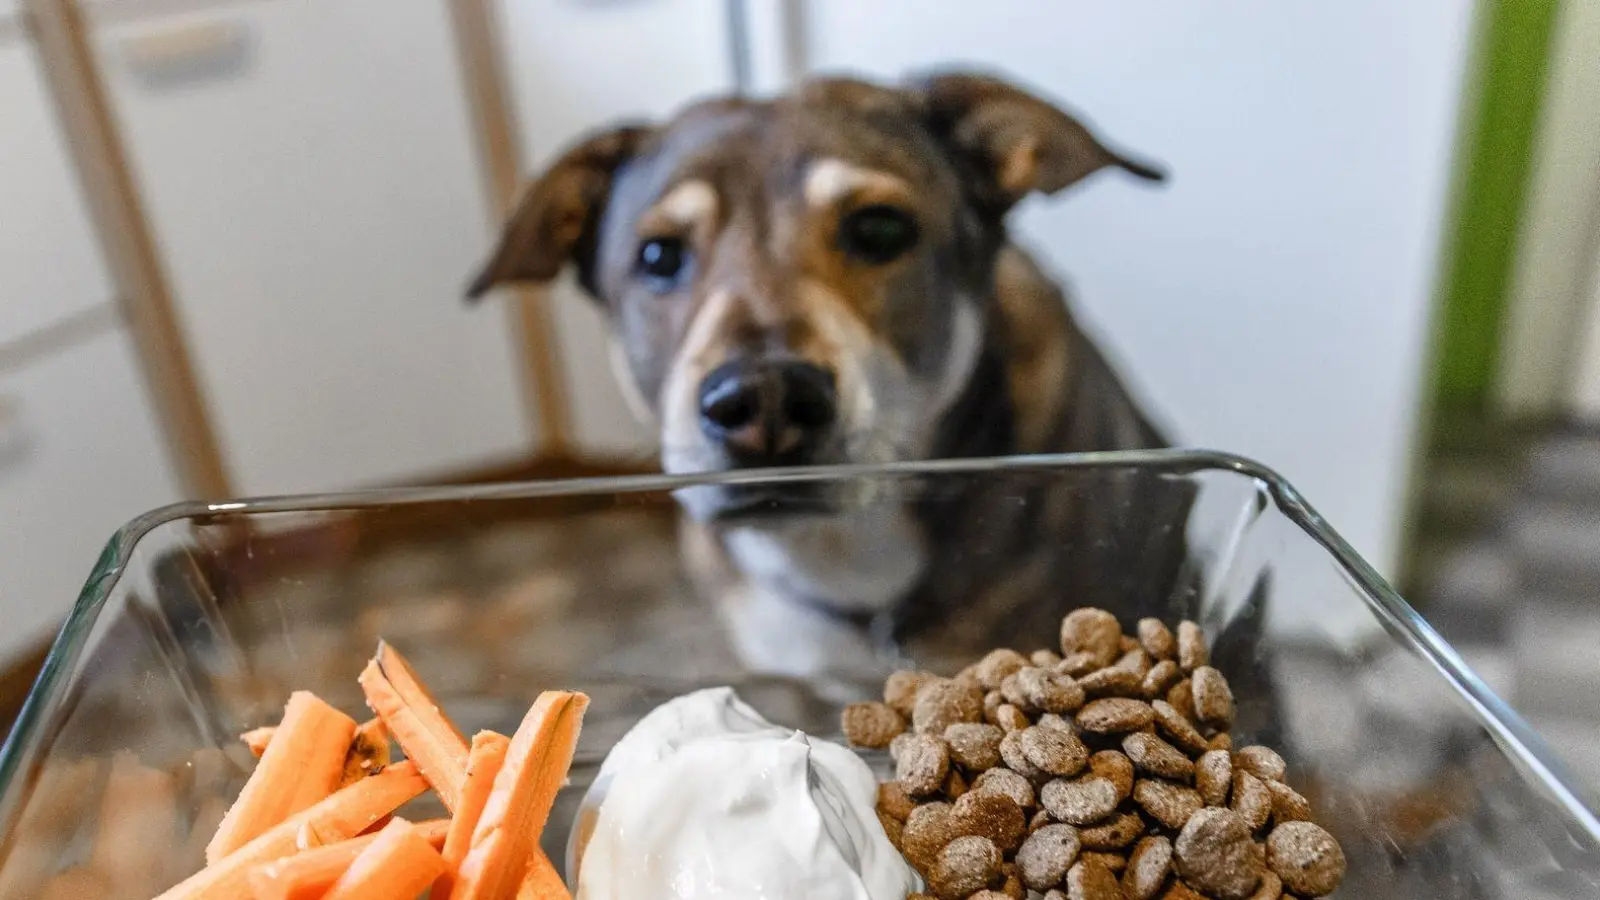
555 222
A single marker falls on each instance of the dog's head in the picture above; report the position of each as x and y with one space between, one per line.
802 280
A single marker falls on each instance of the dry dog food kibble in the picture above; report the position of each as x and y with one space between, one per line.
1105 771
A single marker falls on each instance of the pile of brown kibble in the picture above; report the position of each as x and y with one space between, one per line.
1103 772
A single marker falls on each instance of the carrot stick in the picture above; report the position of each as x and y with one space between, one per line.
542 882
257 739
417 723
343 815
369 751
309 875
397 865
301 766
484 761
536 766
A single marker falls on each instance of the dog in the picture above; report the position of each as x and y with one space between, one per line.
827 278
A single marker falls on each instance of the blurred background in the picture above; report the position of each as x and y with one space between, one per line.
234 236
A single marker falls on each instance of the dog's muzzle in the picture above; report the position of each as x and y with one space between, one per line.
768 412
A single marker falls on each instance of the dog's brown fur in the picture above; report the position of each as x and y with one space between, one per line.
960 348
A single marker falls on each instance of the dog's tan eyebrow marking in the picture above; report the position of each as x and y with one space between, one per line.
830 180
688 204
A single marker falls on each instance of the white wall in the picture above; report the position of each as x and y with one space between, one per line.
1275 298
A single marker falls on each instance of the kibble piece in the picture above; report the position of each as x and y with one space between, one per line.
991 815
955 784
1112 681
1160 679
922 765
1041 690
901 688
1123 829
1177 890
1012 886
1270 888
1178 729
1287 804
1307 858
993 668
1016 758
893 801
1009 718
898 746
1054 751
1127 643
1192 653
1115 768
1181 698
1047 854
975 747
1084 801
1223 741
927 831
1153 755
992 701
1156 639
1215 854
1213 775
871 725
893 828
945 703
1090 880
1092 631
1115 715
965 866
1116 862
1170 804
1251 799
1213 699
1262 762
1134 660
1040 819
1007 784
1044 659
1148 866
1078 664
989 894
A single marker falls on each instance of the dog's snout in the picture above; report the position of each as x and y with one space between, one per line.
768 412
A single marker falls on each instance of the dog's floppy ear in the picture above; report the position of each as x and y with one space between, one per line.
1023 142
555 221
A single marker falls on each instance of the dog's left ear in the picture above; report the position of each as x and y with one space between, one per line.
555 221
1022 141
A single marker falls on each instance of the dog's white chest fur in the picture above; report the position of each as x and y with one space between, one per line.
860 561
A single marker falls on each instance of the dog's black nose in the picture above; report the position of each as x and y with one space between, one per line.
767 412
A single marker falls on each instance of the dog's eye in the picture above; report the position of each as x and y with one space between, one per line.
661 260
877 234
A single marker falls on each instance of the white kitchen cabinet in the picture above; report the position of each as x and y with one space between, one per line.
578 66
1274 298
310 174
80 455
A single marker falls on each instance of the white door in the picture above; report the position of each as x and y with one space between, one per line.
310 173
577 66
1274 298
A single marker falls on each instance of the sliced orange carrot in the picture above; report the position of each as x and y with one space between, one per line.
343 815
542 882
369 751
309 875
301 766
484 761
257 739
536 765
418 725
399 864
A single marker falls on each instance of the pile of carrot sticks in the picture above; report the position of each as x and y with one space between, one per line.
314 821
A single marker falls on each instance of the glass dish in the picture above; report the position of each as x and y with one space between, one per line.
199 619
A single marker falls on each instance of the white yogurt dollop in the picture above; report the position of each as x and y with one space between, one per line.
704 798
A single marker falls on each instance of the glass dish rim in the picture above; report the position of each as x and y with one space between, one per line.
1511 732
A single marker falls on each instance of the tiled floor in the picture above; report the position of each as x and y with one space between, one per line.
1520 596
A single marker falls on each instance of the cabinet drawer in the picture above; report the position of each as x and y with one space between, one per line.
79 456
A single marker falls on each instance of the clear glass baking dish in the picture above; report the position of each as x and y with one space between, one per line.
198 619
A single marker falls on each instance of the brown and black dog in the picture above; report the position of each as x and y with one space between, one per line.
826 277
